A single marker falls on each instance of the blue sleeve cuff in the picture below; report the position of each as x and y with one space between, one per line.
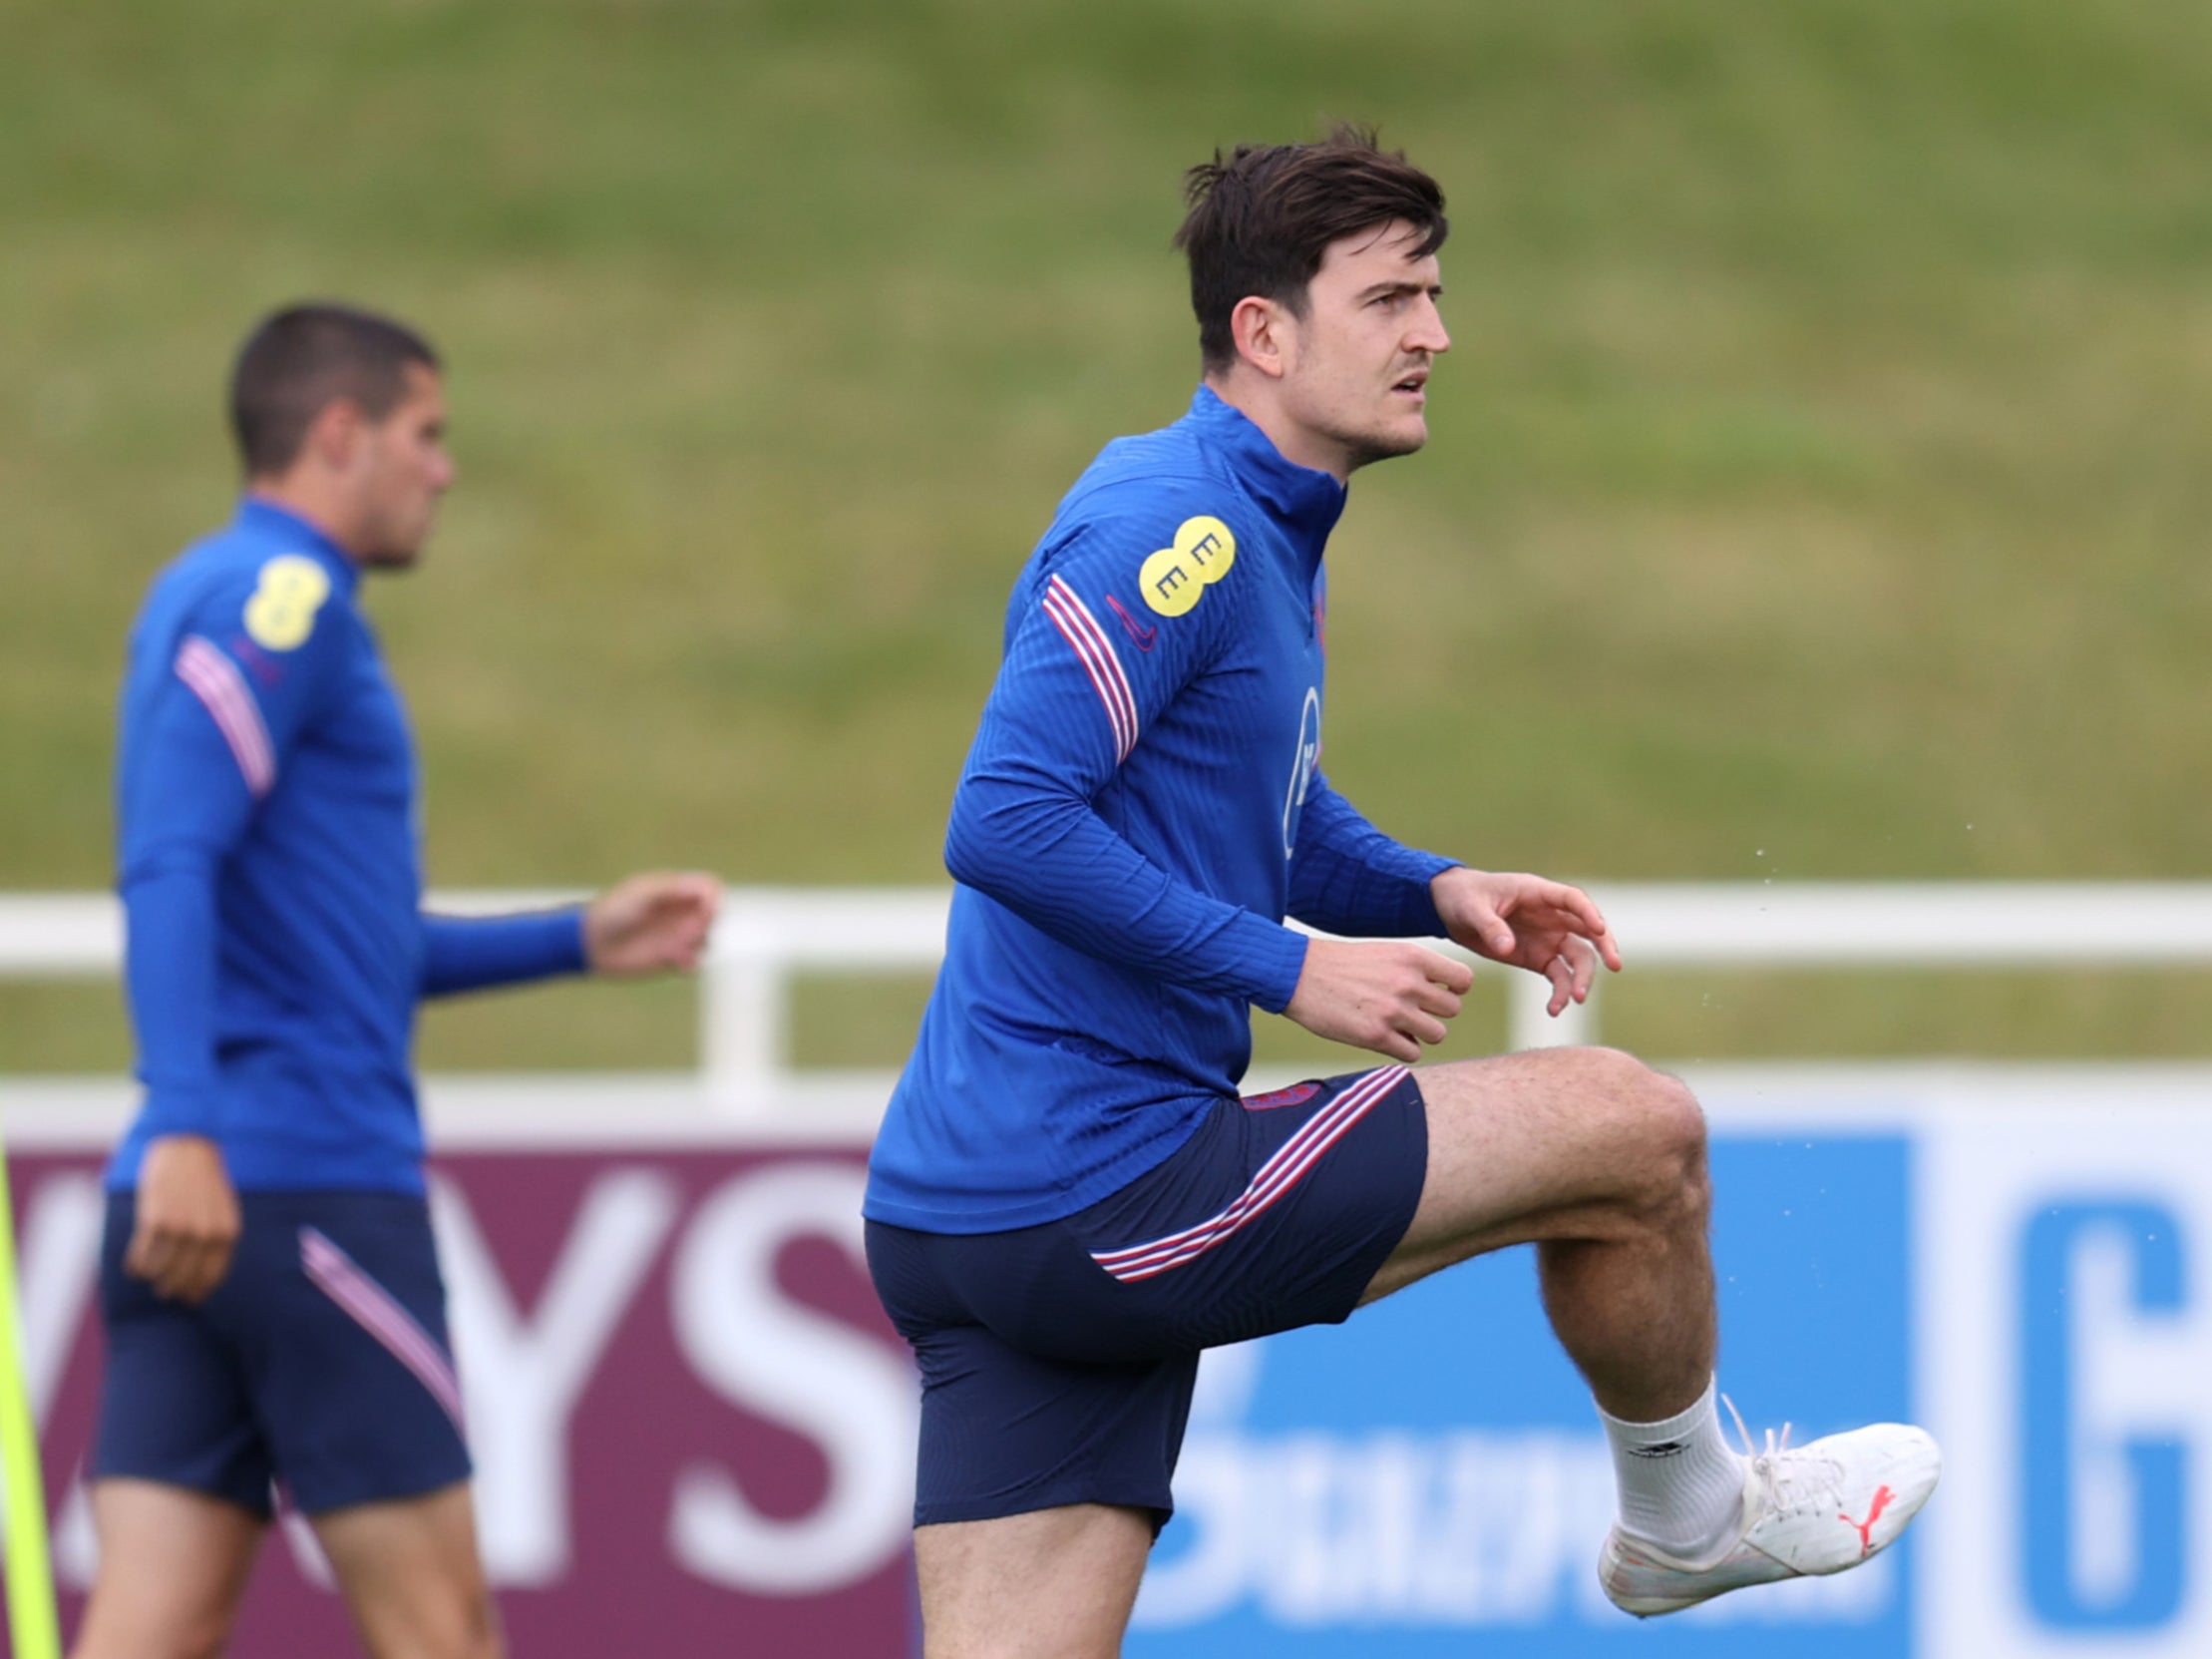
1277 957
179 1111
474 953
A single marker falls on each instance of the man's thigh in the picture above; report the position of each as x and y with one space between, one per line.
1548 1143
172 1566
1051 1584
412 1575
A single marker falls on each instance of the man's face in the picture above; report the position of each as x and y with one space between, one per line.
1357 374
399 471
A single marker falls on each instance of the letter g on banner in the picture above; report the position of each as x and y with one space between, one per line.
2104 1519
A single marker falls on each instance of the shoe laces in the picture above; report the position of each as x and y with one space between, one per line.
1795 1478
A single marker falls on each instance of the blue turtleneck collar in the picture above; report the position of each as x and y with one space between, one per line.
1305 503
263 517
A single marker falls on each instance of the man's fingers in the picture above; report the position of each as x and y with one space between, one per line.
166 1263
1586 972
1423 1030
1450 973
1592 924
1573 968
181 1273
171 1270
1386 997
188 1280
659 921
200 1268
1434 999
1561 972
1492 931
1577 912
205 1270
147 1255
176 1263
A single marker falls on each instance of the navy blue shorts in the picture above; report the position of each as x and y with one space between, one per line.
1057 1361
320 1360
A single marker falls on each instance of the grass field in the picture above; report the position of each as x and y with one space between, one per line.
1818 486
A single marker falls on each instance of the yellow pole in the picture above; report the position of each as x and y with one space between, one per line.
32 1621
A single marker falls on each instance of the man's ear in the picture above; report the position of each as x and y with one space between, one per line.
334 434
1264 333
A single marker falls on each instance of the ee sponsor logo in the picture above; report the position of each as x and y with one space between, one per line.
1175 577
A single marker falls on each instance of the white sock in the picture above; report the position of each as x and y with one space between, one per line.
1681 1488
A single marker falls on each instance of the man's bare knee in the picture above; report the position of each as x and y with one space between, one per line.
1569 1129
1663 1131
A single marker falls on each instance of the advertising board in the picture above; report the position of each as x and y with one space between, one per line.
694 1430
690 1420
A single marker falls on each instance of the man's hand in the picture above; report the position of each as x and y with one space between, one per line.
1377 995
650 924
1527 922
187 1218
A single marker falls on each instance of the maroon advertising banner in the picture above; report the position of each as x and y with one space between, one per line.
693 1427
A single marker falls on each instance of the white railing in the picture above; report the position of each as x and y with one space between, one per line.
768 936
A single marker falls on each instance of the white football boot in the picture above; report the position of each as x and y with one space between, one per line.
1815 1509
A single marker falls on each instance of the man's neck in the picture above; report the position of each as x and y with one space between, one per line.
1254 398
304 499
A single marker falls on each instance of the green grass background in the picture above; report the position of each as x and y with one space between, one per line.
1819 486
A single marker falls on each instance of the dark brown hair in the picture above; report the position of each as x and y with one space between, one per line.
1260 222
305 357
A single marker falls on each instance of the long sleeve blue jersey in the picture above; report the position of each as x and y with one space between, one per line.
271 872
1141 809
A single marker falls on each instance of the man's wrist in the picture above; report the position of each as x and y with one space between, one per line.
169 1115
1279 960
1440 888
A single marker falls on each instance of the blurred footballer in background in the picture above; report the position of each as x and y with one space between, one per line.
269 1292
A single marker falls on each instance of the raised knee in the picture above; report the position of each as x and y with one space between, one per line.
1660 1128
1676 1125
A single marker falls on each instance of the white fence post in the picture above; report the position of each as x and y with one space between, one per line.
744 1019
1529 1023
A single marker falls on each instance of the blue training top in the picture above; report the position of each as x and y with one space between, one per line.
1142 807
266 798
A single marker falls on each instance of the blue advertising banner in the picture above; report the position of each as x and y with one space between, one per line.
1433 1470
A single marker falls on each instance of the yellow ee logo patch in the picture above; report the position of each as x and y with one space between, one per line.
1172 579
281 612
